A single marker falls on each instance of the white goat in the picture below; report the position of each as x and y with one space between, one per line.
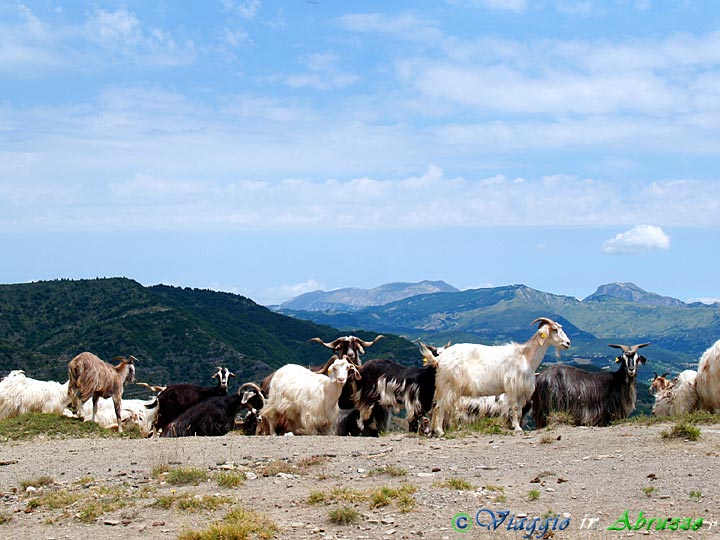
306 403
708 378
134 412
90 377
20 394
680 397
467 369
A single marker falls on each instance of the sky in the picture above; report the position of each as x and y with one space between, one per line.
275 148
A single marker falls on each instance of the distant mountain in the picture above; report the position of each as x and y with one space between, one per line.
179 334
632 293
678 332
353 299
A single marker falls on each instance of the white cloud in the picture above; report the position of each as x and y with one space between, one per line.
113 27
639 239
511 5
247 9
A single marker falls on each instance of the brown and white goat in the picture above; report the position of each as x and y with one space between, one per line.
90 377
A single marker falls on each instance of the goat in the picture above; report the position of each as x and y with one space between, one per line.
20 394
345 346
212 417
307 402
91 377
178 398
387 384
472 409
349 346
134 412
659 383
253 399
679 395
468 369
708 378
591 398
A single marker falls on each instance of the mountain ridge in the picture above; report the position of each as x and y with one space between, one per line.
354 298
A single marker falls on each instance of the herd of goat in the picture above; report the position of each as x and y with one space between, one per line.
456 384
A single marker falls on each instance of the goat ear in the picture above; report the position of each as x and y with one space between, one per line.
641 359
618 359
231 374
215 376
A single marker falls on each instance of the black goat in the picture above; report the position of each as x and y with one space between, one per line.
592 399
212 417
178 398
385 384
253 399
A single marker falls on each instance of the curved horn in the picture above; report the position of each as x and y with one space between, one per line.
256 388
369 343
543 320
252 385
624 348
119 359
665 374
634 348
330 345
132 359
324 369
655 375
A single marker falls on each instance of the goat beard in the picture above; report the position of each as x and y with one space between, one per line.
557 352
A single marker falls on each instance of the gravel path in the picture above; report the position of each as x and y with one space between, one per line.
568 474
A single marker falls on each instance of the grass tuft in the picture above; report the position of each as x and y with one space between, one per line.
456 483
37 482
682 430
230 479
344 516
183 476
240 524
533 495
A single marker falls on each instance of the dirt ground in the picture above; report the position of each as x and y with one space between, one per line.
579 479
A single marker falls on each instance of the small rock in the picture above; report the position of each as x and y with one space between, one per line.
158 523
30 489
425 474
251 476
297 525
111 522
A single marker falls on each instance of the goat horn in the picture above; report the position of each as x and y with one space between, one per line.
324 369
544 320
665 374
624 348
252 385
369 343
634 348
655 375
330 345
133 359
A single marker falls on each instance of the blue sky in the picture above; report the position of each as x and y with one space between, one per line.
272 148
